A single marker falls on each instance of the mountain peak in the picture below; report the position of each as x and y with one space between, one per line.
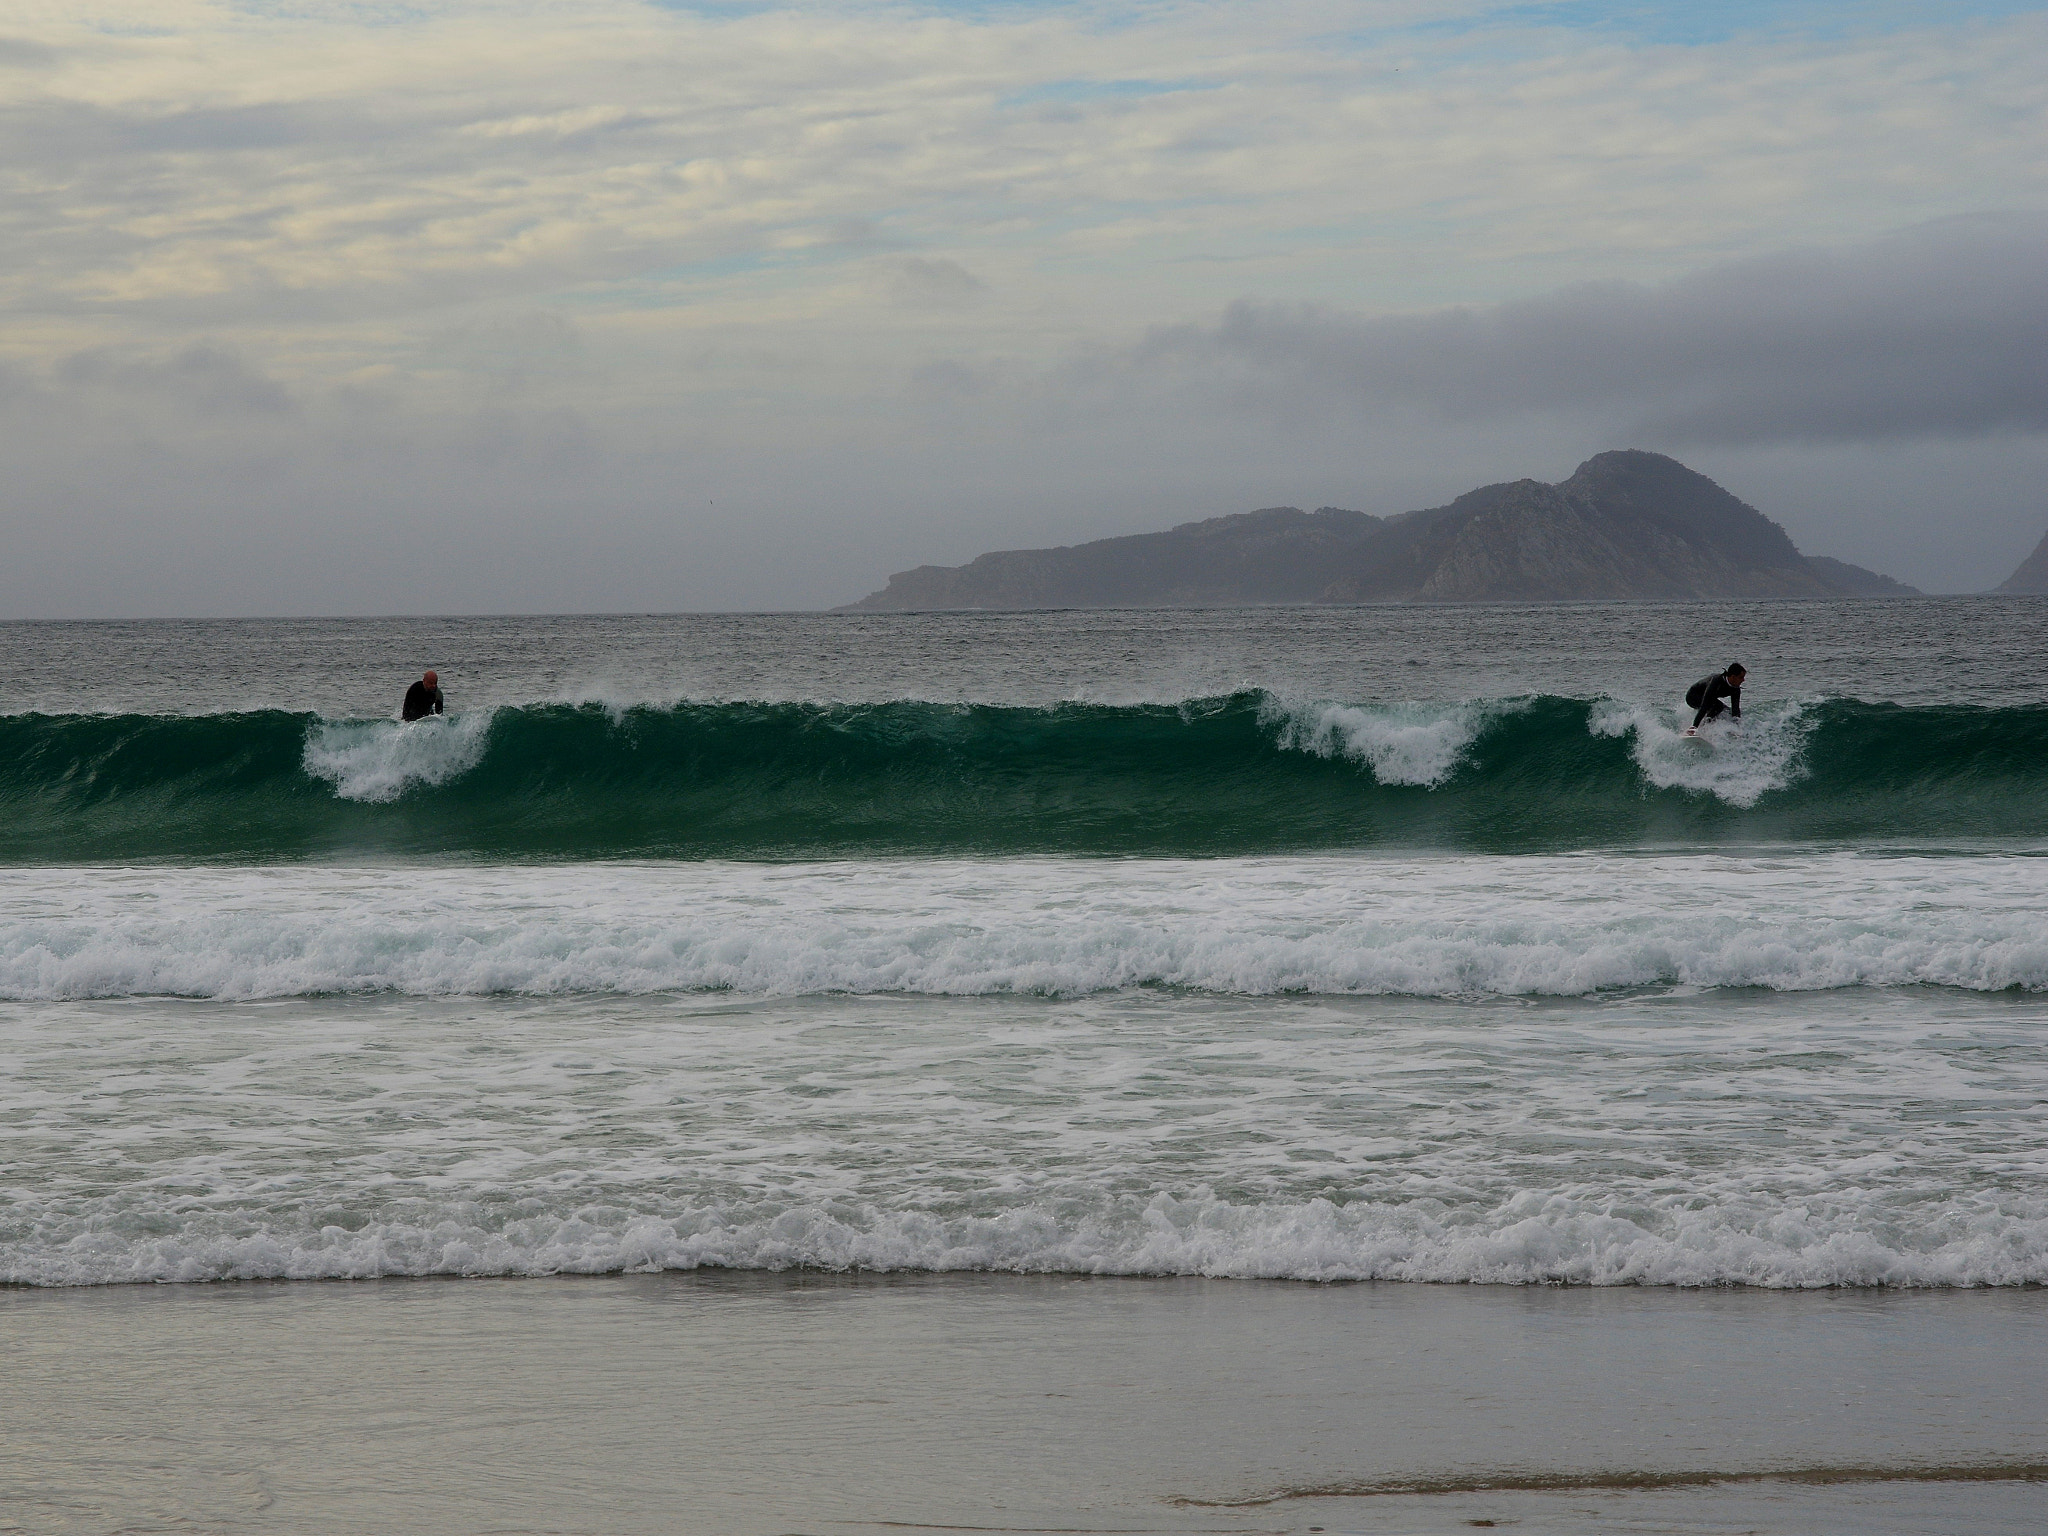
1636 461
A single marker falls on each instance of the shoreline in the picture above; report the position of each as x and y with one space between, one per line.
761 1404
859 1274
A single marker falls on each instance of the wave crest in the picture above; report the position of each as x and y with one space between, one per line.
1416 744
1235 775
376 761
1736 761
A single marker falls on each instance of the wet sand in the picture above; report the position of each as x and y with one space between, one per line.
756 1403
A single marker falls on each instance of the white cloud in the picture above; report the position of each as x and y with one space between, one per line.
239 169
784 294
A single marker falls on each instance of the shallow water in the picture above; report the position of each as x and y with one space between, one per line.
1664 1134
756 1404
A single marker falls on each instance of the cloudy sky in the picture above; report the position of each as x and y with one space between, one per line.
319 307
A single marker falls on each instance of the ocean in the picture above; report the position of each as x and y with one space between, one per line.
1241 992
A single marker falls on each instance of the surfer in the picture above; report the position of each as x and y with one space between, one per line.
1706 695
423 698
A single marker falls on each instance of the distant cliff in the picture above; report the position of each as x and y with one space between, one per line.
1855 581
1625 525
2032 576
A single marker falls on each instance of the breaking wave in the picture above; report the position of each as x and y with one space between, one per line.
1536 1237
1244 773
1477 926
375 761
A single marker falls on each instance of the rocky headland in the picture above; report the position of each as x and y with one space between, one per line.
1625 525
2031 579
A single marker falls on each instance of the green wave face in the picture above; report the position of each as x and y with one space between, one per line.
1237 775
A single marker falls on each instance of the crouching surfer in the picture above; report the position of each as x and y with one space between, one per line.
423 698
1707 694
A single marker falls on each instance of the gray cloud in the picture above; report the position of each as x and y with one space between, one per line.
124 146
932 282
24 53
521 466
1940 331
203 378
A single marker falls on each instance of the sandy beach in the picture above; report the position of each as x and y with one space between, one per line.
760 1404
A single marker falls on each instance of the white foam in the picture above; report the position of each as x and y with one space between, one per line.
1419 744
1476 925
379 760
1735 761
1535 1237
590 1121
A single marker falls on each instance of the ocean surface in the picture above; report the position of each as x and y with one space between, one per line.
1408 944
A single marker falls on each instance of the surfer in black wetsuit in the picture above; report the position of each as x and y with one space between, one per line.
1706 695
423 698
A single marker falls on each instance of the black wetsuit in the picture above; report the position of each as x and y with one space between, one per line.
420 700
1706 696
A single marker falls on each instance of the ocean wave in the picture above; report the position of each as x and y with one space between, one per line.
1737 761
1241 774
1400 744
1528 927
1536 1237
376 761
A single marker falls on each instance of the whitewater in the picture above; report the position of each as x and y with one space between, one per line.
1471 926
1678 1140
1406 946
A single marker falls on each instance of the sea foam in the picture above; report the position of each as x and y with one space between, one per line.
536 1082
378 760
1736 761
1418 744
1476 925
1535 1237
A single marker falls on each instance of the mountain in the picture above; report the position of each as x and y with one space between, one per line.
1855 581
1279 555
1625 525
2032 576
